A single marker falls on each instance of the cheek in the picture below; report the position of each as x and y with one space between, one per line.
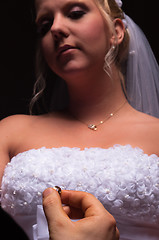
95 33
47 47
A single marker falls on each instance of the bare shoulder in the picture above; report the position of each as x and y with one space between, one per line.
147 123
148 131
11 132
12 127
17 130
147 119
15 122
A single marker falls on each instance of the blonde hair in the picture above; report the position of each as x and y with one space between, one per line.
110 11
54 95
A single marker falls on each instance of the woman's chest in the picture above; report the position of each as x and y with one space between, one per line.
80 136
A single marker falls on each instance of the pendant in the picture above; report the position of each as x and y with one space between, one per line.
92 127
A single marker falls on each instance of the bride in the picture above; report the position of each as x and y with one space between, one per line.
97 81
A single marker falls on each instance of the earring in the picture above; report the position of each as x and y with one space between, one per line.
109 59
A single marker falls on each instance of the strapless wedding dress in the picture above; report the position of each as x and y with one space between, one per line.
123 178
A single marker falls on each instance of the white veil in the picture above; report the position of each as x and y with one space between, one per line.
142 73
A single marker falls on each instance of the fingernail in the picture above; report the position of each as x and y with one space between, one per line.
58 189
47 192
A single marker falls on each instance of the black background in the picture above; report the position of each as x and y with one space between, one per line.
17 62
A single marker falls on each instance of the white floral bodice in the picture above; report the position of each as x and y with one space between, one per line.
123 178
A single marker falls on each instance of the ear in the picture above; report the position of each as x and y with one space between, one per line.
119 32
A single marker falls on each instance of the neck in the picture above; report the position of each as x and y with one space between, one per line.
93 98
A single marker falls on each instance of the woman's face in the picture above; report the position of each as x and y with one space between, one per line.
74 36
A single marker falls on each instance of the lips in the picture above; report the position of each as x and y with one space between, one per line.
63 49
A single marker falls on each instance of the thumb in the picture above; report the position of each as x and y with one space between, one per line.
55 215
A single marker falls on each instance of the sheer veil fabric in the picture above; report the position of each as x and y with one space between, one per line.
142 71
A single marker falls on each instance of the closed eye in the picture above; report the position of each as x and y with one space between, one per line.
76 11
76 14
43 26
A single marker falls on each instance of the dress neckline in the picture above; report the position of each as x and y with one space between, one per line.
126 146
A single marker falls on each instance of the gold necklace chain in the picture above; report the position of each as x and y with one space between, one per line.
94 127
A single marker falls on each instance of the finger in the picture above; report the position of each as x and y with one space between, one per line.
53 209
117 234
84 201
95 214
73 213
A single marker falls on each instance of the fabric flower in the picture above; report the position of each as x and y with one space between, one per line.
119 2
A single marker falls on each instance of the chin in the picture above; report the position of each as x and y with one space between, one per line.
72 68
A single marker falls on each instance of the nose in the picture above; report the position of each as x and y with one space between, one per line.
59 29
